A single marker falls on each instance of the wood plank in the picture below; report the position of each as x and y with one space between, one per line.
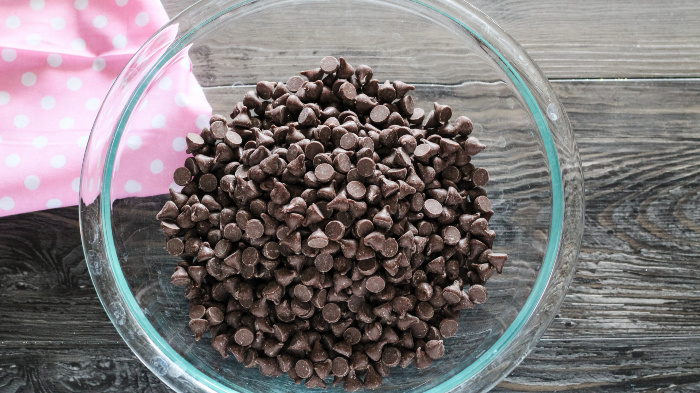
613 365
573 39
555 365
88 369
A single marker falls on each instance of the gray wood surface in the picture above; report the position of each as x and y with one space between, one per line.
631 319
589 39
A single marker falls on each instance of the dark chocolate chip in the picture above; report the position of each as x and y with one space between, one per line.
435 349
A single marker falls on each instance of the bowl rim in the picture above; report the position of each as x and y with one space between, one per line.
170 366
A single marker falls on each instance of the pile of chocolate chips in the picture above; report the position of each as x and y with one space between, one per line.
331 228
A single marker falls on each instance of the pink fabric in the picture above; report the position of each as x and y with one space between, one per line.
59 59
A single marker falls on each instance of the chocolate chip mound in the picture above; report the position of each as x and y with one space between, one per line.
331 228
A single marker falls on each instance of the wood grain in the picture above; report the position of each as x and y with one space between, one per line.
95 368
639 265
608 365
589 39
630 322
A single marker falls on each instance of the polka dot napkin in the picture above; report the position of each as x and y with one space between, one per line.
59 59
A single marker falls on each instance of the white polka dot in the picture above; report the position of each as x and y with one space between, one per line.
9 54
58 161
134 142
99 64
4 97
156 166
179 144
158 121
78 44
13 22
40 142
74 83
32 182
12 160
122 3
66 123
28 79
93 104
202 121
142 19
132 186
83 140
181 99
165 83
7 203
54 60
48 102
36 4
21 121
53 203
80 4
75 184
143 105
119 41
100 21
34 39
58 23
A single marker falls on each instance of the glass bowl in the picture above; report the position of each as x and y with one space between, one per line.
453 54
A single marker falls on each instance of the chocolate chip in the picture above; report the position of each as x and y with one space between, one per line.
432 208
425 311
480 177
379 114
478 294
363 73
340 367
318 239
199 327
386 92
175 246
422 359
304 368
356 190
294 83
473 146
244 337
497 260
482 204
375 284
208 182
303 293
182 176
329 64
352 382
391 356
448 327
435 349
331 313
347 91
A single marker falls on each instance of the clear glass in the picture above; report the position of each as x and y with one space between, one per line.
454 54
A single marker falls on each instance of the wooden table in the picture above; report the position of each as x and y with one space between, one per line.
626 71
